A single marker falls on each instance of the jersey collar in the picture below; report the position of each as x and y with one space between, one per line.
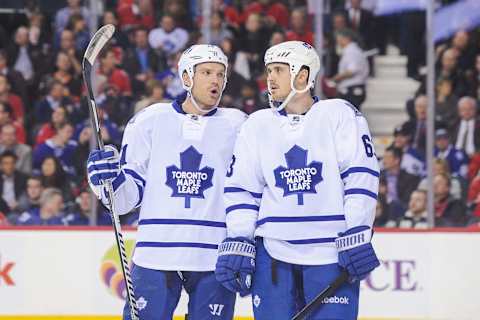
177 105
283 112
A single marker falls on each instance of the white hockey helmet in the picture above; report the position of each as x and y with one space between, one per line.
200 53
296 54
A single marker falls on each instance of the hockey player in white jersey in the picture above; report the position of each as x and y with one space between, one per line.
172 164
300 196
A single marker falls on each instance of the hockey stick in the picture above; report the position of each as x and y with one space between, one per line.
100 38
328 291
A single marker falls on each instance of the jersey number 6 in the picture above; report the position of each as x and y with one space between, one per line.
367 143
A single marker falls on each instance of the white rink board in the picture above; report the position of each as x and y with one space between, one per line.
430 275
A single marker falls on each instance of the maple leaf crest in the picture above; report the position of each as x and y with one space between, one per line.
189 181
298 177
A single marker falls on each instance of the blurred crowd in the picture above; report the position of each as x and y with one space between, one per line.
402 198
45 134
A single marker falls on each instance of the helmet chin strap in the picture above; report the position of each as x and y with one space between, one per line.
194 102
291 94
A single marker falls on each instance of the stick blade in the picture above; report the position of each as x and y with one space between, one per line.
100 38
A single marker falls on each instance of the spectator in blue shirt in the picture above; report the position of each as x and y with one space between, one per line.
61 146
49 213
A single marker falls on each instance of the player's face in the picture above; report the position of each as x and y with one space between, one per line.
208 83
278 78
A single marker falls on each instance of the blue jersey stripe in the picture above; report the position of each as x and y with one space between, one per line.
118 181
360 170
151 244
236 189
338 217
361 191
184 222
135 175
311 241
242 206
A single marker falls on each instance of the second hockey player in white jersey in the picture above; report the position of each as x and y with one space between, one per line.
173 163
303 186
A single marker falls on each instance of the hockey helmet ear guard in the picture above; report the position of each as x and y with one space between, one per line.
296 54
194 55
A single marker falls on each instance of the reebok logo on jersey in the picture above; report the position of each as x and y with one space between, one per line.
216 309
336 300
189 181
141 303
298 177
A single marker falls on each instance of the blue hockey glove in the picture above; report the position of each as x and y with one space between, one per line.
236 264
355 252
102 165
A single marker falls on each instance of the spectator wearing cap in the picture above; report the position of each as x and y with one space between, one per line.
352 70
413 161
49 213
400 184
9 142
457 159
466 131
449 212
299 30
168 38
12 181
141 62
416 216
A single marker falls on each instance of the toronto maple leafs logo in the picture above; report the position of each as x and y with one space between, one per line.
189 181
298 178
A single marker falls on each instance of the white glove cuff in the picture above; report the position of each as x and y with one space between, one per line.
237 248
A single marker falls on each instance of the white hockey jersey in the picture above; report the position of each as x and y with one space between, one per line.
299 180
174 166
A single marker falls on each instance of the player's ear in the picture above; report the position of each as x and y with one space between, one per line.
301 80
186 79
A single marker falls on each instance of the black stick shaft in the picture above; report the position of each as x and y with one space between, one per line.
87 67
327 292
